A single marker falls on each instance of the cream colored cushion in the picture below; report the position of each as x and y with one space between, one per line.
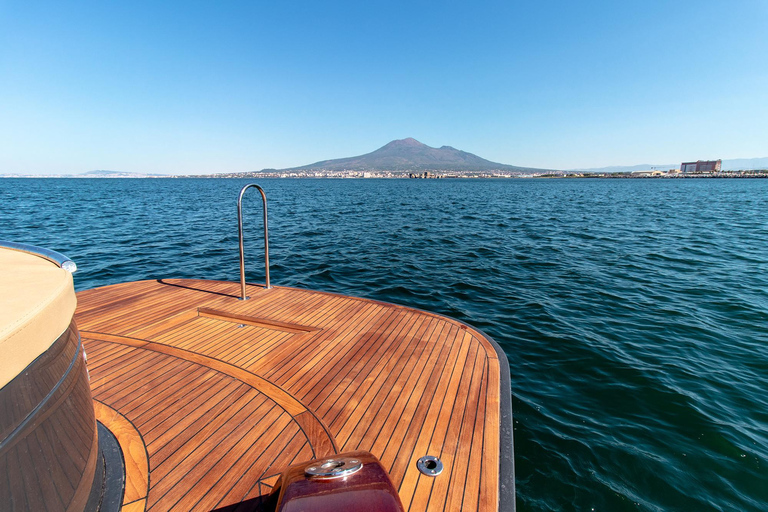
37 302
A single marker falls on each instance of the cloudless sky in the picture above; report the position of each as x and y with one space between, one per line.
203 86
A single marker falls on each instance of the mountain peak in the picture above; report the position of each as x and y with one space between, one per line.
405 155
409 142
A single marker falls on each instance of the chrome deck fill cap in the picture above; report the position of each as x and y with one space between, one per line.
333 468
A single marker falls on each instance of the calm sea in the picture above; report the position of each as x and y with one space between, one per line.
633 312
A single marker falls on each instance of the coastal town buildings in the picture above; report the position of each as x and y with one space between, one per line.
701 166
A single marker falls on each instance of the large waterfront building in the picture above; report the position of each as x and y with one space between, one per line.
701 166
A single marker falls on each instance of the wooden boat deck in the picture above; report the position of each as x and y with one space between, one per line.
212 397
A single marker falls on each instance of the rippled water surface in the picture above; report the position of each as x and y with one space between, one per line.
633 312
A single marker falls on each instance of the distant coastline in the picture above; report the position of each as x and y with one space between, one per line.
409 158
355 174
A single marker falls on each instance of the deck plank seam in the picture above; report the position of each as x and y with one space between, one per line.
321 339
314 305
149 389
242 453
207 335
436 367
365 346
163 448
254 347
473 399
271 309
168 472
359 341
381 347
148 346
208 340
114 322
355 339
431 325
470 369
311 306
262 475
163 325
144 445
183 333
127 365
461 356
147 400
202 337
490 351
232 457
426 408
112 392
413 389
249 403
214 391
398 380
473 448
245 471
249 359
297 358
135 398
178 333
399 342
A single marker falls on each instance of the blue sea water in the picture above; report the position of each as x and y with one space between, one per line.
633 312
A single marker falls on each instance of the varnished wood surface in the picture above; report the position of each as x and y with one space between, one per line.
48 441
135 456
224 394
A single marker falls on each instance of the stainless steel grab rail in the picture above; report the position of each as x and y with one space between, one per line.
52 256
240 233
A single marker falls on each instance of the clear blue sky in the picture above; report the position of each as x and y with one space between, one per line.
203 86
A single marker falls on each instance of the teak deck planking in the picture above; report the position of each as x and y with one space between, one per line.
214 396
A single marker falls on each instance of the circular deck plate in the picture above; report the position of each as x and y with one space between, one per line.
333 468
430 465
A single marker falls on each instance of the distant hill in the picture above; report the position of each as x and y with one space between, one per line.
745 164
117 174
88 174
628 168
733 164
411 155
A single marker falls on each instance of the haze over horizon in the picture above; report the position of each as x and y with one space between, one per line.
176 88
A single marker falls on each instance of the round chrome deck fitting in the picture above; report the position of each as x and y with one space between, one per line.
430 465
333 468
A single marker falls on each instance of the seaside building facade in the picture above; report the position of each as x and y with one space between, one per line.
701 166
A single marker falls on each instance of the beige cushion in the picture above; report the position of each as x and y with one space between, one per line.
37 302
